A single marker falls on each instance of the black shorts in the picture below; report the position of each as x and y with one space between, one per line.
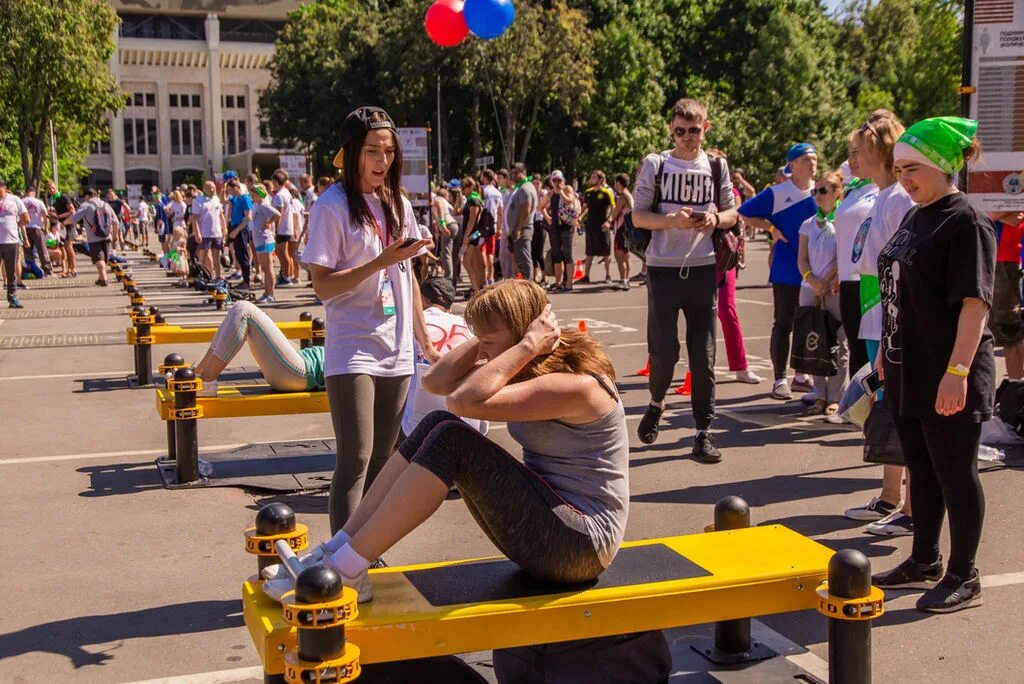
599 242
1005 315
281 239
561 245
99 251
620 240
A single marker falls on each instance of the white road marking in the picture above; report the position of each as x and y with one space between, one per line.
753 301
222 677
683 342
84 376
109 454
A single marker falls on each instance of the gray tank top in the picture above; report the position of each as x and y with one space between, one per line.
588 466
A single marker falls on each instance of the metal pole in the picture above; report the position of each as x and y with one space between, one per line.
732 637
966 73
440 175
849 641
186 434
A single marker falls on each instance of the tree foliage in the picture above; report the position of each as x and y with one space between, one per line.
580 84
55 70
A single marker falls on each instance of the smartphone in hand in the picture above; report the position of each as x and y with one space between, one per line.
409 242
698 215
872 383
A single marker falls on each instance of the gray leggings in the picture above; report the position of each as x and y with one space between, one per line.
517 510
281 363
366 411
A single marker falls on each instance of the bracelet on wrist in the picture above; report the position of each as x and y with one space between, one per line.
718 219
958 370
806 274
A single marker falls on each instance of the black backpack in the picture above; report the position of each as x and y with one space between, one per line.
1010 404
102 219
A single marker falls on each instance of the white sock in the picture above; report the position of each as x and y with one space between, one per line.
348 562
659 404
337 541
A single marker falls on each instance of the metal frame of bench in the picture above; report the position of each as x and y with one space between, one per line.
752 571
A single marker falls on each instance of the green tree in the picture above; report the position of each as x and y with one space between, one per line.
55 70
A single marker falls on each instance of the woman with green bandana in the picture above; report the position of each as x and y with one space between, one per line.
936 277
875 141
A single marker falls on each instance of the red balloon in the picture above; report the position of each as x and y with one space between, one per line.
445 24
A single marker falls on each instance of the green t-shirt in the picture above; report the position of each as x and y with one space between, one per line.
314 358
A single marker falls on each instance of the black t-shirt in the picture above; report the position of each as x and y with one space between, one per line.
598 200
472 202
942 254
61 204
117 205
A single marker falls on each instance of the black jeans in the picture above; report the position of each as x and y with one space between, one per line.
9 258
517 510
694 291
786 298
849 311
241 246
942 455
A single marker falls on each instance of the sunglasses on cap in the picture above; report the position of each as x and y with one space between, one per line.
679 131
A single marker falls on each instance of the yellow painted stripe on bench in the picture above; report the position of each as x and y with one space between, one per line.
178 334
754 572
252 400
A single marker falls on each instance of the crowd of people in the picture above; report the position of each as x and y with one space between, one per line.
882 244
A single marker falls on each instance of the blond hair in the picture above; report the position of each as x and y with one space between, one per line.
175 196
879 134
515 305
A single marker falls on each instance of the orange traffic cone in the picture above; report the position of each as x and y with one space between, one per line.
582 325
579 270
685 389
519 276
646 370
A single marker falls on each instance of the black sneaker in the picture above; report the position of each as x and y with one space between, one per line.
909 575
648 429
704 449
379 563
952 594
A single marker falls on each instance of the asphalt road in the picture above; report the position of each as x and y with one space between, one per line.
112 578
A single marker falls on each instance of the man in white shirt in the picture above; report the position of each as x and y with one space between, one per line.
210 226
13 219
493 205
285 229
35 229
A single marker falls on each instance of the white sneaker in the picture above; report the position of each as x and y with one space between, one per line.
279 587
781 391
308 558
802 382
209 389
896 525
748 376
265 299
810 397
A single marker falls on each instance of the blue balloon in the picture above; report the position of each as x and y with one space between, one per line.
488 19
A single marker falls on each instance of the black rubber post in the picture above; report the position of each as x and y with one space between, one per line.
319 326
305 341
172 359
273 519
186 434
154 310
849 641
319 584
732 637
143 354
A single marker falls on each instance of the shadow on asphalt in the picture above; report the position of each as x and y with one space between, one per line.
70 637
112 479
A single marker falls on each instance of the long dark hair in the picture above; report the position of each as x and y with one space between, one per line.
390 193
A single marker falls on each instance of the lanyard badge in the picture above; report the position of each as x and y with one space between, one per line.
387 293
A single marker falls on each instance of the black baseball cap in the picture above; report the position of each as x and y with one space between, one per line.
438 291
358 123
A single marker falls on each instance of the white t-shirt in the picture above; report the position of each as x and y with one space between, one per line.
176 211
143 212
282 201
493 203
11 211
298 212
821 247
36 211
360 337
309 198
208 211
885 218
849 216
447 331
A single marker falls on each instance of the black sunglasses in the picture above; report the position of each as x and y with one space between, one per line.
679 131
823 190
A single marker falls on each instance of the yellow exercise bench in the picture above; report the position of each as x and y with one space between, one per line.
179 405
149 328
436 609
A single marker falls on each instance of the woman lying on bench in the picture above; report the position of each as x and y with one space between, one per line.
561 515
286 368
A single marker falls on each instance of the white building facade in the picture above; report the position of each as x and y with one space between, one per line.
193 71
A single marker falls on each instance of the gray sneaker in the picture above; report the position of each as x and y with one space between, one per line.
781 391
896 525
876 509
265 299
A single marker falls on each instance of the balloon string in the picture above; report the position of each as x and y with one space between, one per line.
494 103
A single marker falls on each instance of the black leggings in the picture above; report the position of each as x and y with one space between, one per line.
942 455
849 311
786 298
537 247
517 510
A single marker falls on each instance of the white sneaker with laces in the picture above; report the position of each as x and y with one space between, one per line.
896 525
780 390
314 556
748 377
278 588
209 389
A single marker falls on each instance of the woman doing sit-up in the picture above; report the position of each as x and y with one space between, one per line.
561 513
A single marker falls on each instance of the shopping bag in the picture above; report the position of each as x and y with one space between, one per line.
815 342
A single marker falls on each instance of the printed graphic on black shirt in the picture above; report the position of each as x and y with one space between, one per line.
896 251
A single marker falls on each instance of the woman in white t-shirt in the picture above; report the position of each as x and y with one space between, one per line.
359 258
816 257
175 210
875 141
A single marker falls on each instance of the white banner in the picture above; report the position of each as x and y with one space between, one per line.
294 164
996 183
134 195
415 164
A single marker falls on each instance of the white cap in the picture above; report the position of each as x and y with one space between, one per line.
557 175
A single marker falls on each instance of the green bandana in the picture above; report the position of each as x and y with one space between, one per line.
830 216
474 195
939 142
857 183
